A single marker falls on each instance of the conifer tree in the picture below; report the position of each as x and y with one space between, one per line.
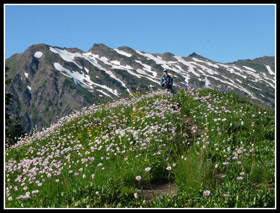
13 127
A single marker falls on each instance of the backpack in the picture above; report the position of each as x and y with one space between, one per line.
171 81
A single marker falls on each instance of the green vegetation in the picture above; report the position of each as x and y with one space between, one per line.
13 128
255 66
85 93
218 148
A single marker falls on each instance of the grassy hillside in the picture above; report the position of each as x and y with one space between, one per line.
217 149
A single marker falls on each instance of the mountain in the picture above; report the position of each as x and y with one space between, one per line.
49 82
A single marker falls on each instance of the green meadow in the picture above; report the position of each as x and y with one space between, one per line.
218 149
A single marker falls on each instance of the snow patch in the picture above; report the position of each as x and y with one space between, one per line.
207 83
123 53
82 79
148 68
103 93
208 70
116 62
249 68
269 70
206 62
67 56
38 54
151 57
26 74
255 87
188 64
232 70
92 58
29 87
238 81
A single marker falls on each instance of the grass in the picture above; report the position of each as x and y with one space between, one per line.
91 158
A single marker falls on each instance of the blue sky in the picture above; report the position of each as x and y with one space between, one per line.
222 33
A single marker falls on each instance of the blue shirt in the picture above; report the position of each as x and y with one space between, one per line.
168 81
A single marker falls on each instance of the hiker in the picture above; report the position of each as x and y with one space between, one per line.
166 82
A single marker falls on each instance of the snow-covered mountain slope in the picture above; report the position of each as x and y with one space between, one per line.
54 81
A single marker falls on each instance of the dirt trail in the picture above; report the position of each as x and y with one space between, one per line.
163 188
157 190
191 126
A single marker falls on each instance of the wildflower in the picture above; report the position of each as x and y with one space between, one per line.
138 178
168 168
84 160
49 175
10 198
91 158
242 173
25 188
234 158
225 163
100 164
174 164
57 180
76 173
35 191
70 171
136 195
206 193
39 184
226 195
25 196
126 158
84 176
80 169
239 178
147 169
238 162
93 176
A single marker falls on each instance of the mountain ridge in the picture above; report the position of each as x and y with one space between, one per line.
50 81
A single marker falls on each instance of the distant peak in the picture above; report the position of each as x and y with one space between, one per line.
198 56
168 54
193 55
125 48
99 47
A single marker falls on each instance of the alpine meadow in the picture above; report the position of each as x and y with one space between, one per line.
201 148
